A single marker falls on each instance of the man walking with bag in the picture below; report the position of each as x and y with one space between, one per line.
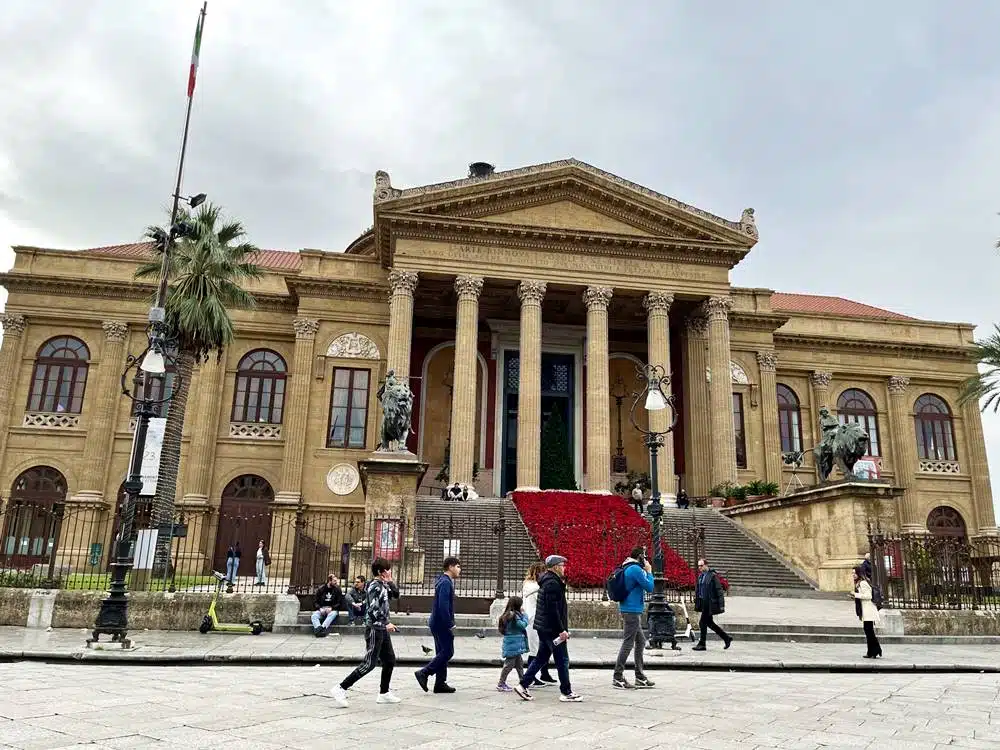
552 624
631 582
710 600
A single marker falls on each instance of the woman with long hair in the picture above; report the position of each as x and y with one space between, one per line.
869 612
529 597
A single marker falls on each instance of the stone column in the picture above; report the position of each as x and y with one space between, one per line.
403 284
192 553
101 423
293 430
10 361
657 306
296 413
720 390
697 440
597 298
904 454
463 403
205 431
819 384
982 494
529 391
768 363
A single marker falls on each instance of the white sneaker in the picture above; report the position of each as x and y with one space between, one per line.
339 696
571 698
389 697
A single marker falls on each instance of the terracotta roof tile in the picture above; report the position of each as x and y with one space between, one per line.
821 305
274 260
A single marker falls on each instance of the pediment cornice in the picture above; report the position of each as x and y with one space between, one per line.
648 211
318 286
477 232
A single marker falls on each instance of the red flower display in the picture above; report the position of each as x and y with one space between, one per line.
594 533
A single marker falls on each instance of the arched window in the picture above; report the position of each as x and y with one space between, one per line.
260 388
854 405
946 522
789 419
935 432
60 376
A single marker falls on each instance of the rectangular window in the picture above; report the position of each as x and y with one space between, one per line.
738 425
348 409
791 430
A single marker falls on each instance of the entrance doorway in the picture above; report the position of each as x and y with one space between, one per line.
244 517
30 526
558 389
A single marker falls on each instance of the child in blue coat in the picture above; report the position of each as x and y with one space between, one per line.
513 626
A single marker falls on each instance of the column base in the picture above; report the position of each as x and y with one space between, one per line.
528 489
288 498
89 497
910 529
988 531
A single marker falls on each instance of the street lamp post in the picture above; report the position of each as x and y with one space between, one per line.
654 379
150 367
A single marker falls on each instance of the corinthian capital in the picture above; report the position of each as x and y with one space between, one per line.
822 379
531 292
697 324
898 384
305 328
13 324
767 361
468 287
657 302
597 297
115 330
403 282
717 308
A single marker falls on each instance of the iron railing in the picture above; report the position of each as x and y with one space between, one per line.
931 572
69 546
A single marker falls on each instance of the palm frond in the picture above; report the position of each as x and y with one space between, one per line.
208 272
984 386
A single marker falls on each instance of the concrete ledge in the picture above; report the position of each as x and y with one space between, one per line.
653 663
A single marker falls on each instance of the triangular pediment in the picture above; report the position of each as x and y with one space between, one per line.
567 195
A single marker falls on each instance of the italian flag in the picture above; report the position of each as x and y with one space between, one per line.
195 52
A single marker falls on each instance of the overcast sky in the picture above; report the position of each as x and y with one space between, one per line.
864 134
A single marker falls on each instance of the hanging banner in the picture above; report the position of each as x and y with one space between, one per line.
151 456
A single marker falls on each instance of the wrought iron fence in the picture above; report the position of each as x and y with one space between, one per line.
929 572
71 547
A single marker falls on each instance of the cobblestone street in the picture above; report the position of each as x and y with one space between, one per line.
47 706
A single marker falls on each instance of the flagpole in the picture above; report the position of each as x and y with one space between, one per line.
161 291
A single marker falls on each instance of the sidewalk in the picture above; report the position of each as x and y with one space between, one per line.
172 647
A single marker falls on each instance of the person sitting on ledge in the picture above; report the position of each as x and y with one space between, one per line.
328 599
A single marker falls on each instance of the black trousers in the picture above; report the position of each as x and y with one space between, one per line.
708 622
379 648
444 649
874 647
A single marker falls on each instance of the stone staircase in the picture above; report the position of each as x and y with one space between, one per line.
474 525
748 563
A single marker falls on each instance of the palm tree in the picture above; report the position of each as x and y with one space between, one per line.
986 383
207 271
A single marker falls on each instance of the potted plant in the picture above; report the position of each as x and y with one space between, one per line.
758 489
738 496
721 494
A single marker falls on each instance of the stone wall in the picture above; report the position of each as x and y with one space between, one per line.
822 530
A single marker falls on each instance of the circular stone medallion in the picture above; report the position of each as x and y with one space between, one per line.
343 479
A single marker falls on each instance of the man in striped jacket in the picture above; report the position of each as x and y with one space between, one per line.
378 640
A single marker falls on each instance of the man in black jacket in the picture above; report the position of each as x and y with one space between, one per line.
328 599
710 600
552 624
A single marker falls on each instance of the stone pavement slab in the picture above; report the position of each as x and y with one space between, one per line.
176 647
116 706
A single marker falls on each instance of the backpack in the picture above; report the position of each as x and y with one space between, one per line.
877 597
616 586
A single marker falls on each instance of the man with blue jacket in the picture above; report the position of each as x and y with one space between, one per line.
441 622
638 581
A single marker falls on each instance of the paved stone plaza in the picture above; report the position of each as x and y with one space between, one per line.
257 708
